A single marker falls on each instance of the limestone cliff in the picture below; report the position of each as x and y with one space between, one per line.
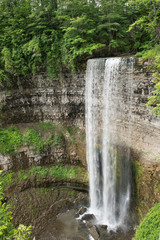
62 101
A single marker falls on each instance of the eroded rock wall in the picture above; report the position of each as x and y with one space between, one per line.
135 123
63 101
41 99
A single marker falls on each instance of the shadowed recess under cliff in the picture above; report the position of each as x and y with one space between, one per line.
108 158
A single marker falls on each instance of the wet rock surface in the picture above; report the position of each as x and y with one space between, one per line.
66 227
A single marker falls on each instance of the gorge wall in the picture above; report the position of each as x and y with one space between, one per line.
62 101
41 99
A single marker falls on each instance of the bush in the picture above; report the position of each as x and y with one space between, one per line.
149 229
11 139
33 138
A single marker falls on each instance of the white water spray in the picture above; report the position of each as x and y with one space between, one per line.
109 170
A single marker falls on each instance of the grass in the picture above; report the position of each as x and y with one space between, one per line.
46 126
58 171
55 171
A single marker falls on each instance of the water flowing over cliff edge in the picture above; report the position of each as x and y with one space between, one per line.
109 174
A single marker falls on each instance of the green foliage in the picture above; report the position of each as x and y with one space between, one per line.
53 35
55 171
72 132
50 35
22 232
144 28
21 176
149 229
83 137
45 126
7 230
7 59
33 138
64 172
153 53
78 39
6 179
154 100
11 139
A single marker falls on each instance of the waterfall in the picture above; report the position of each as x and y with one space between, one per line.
108 87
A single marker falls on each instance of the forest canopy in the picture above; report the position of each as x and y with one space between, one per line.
50 35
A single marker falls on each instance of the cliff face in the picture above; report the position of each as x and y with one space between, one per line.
63 101
135 123
41 99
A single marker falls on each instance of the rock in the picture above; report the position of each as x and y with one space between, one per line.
81 226
103 233
89 224
89 217
82 210
103 227
94 233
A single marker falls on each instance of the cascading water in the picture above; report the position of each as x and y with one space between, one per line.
109 168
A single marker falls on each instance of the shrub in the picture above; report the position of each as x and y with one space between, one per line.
11 139
150 227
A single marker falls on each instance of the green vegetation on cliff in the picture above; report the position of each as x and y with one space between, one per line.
58 171
149 229
12 139
147 39
154 100
39 137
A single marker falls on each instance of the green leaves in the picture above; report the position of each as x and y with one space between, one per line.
11 139
22 232
149 229
145 26
154 100
79 39
7 59
52 35
43 35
